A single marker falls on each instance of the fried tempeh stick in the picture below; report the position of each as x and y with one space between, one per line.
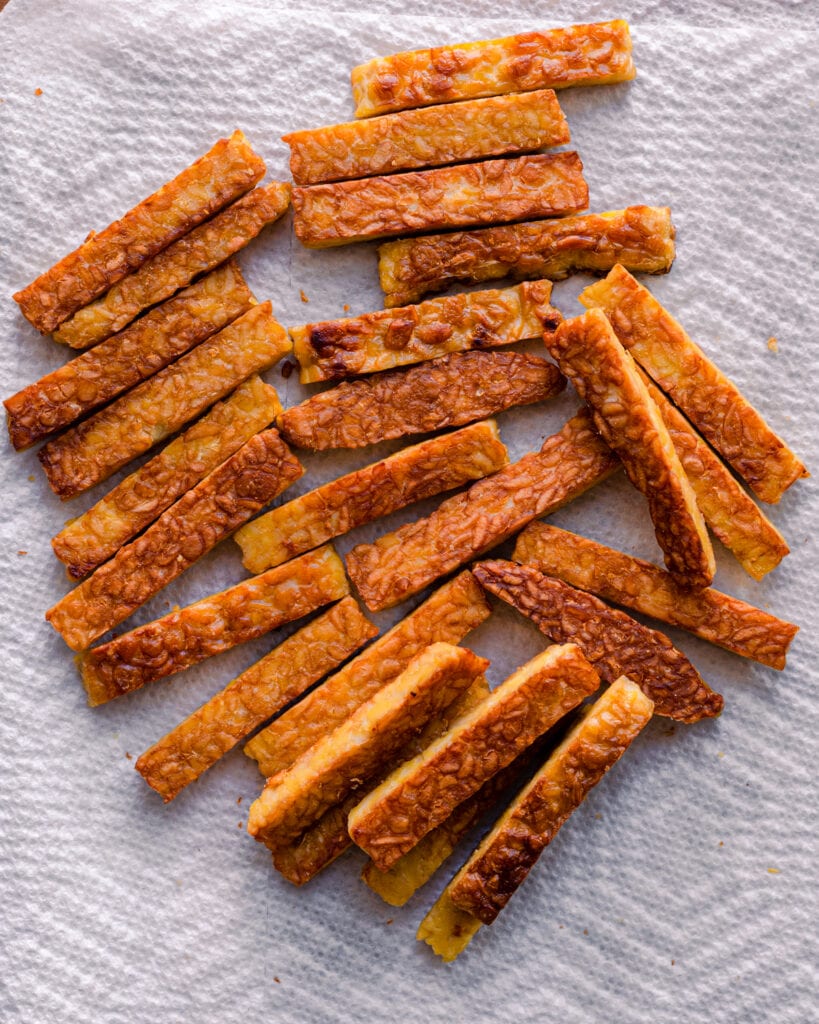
464 526
94 449
409 475
332 349
708 398
427 138
446 392
192 526
612 641
164 334
604 374
487 192
420 794
296 797
595 54
280 677
452 612
183 638
225 172
200 250
639 237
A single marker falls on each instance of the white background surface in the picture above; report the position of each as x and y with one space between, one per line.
655 903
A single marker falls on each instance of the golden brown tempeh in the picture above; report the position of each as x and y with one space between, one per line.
183 638
94 449
595 54
487 192
409 475
226 171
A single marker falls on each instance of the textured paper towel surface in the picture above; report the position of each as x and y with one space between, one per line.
657 902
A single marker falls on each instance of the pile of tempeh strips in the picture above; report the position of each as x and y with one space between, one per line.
402 749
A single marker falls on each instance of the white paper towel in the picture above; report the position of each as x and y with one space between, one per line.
656 902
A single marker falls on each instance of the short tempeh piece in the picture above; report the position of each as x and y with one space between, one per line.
587 350
164 334
294 798
446 392
201 250
639 237
281 676
94 449
708 398
595 54
612 641
192 526
332 349
466 525
420 794
634 583
409 475
452 612
225 172
215 624
487 192
427 138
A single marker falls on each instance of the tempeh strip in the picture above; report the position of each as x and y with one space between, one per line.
420 794
164 334
452 612
202 249
587 350
215 624
613 642
192 526
225 172
426 138
377 490
280 677
332 349
486 192
446 392
466 525
296 797
595 54
94 449
708 398
639 237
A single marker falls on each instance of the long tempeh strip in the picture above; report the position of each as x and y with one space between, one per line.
452 611
420 794
200 250
280 677
377 490
94 449
183 638
164 334
228 170
708 398
639 237
486 192
595 54
466 525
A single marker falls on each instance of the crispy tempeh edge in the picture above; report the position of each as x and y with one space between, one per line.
225 172
449 614
604 374
260 691
159 277
185 637
708 398
593 54
464 526
417 472
434 136
420 794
